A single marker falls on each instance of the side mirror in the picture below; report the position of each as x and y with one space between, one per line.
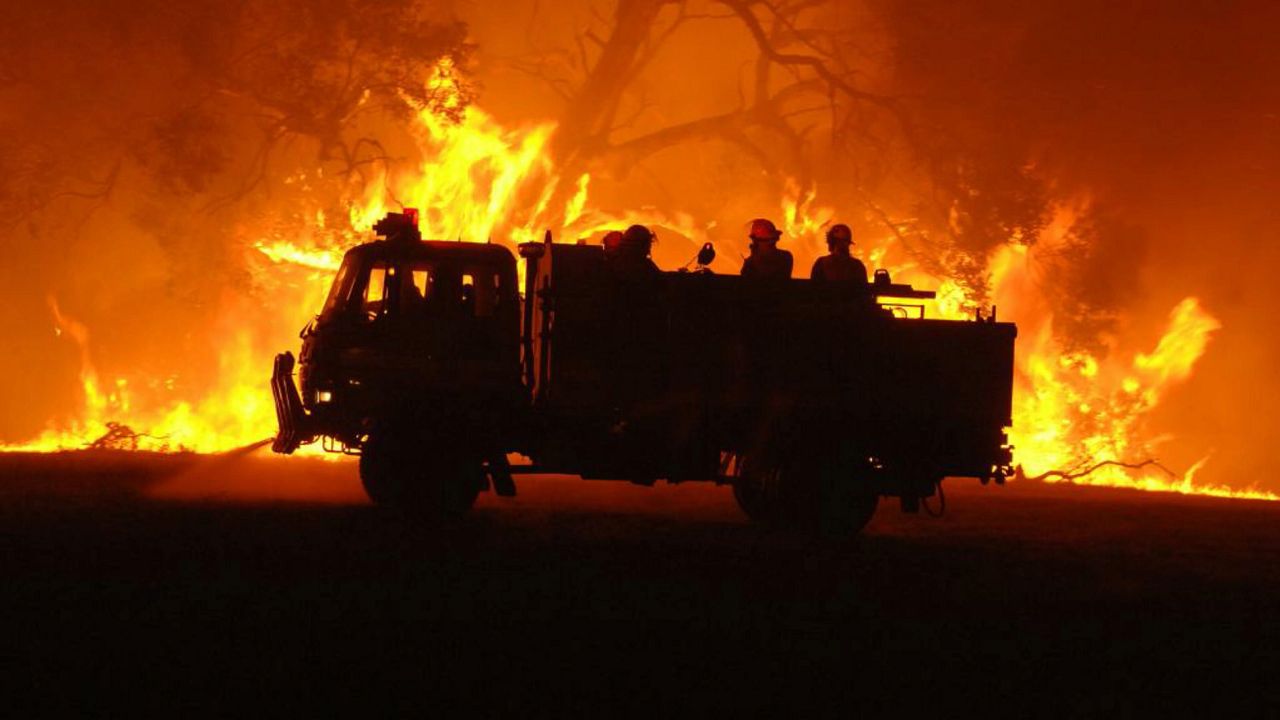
706 254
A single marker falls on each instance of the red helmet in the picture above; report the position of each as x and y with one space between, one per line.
762 229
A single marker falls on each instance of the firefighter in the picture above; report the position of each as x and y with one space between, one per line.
631 257
838 266
766 261
636 322
612 240
412 300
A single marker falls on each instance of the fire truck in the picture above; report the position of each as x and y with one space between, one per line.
447 376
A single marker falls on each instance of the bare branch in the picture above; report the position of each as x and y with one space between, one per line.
743 10
683 132
1076 475
537 69
729 124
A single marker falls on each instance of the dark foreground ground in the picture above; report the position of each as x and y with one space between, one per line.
178 585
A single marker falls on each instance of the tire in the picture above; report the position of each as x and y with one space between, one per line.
844 509
452 486
843 502
382 474
760 491
817 493
401 474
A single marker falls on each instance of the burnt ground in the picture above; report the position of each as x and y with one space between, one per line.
173 584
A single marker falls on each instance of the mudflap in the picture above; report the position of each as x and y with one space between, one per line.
291 417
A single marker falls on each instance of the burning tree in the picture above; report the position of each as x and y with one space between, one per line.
807 113
137 147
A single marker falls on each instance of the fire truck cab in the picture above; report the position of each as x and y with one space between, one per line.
812 401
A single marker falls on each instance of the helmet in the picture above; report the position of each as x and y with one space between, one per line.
839 234
637 236
762 229
612 240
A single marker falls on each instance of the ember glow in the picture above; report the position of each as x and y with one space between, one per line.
477 178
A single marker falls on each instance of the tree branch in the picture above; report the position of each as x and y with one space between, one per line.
1076 475
742 9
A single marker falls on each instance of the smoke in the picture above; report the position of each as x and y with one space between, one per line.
144 147
1165 119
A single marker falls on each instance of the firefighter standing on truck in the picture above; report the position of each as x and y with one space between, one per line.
838 266
630 256
612 240
766 261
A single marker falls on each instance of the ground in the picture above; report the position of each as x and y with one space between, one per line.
184 583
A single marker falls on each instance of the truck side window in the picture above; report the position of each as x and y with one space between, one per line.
375 291
341 288
479 292
416 287
468 296
421 281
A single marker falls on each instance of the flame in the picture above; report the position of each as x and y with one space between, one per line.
1073 409
480 181
280 251
236 413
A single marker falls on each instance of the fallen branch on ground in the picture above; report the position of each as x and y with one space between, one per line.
1070 475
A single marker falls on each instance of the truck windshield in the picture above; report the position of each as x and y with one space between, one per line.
480 290
341 287
415 288
375 289
398 289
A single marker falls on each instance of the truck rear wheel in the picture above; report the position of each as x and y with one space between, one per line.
843 504
759 491
839 497
816 492
409 476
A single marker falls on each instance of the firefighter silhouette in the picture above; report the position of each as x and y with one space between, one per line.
766 260
631 254
838 266
612 240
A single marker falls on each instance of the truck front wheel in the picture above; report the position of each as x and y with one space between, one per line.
406 474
